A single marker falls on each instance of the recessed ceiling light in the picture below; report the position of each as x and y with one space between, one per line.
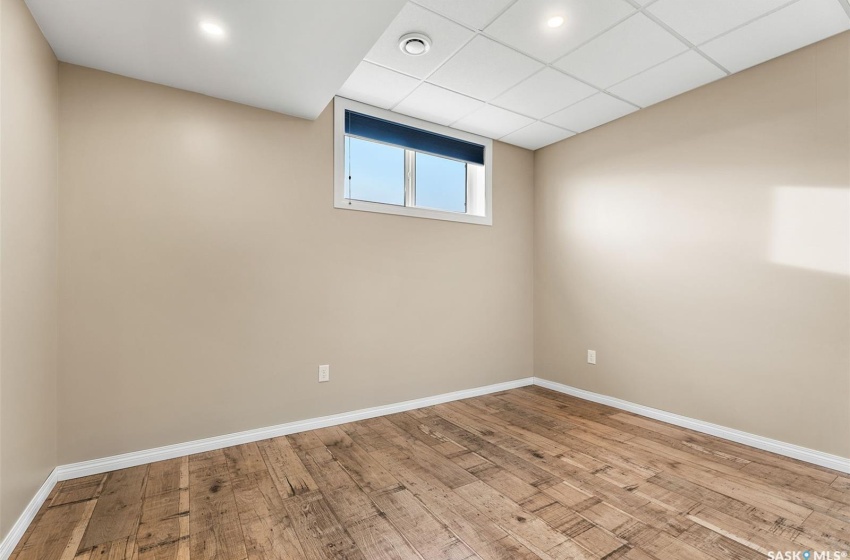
555 21
212 29
414 44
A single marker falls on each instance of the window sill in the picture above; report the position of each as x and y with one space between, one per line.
412 212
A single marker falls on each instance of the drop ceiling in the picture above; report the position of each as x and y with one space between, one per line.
496 68
289 56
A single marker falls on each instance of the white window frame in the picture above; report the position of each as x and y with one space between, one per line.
341 105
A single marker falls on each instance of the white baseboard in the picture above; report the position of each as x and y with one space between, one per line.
97 466
10 541
820 458
106 464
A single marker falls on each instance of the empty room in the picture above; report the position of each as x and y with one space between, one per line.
424 279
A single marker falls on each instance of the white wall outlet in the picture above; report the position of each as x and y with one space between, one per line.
591 357
324 373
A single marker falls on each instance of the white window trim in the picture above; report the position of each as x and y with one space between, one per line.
342 104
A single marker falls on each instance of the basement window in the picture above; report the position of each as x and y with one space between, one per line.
393 164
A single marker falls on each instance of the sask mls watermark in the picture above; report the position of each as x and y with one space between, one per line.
808 555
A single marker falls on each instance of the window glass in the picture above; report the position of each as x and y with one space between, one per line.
374 171
393 164
440 183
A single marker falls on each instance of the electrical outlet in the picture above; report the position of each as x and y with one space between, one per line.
324 373
591 357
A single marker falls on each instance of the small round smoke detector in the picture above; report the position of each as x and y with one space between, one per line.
414 44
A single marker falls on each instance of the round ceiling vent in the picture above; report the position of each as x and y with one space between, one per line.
414 44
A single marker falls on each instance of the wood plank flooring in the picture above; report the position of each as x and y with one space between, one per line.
522 474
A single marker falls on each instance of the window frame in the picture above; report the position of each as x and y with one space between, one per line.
341 105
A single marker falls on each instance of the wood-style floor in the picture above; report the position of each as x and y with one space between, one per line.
526 473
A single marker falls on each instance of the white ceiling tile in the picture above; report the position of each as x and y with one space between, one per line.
474 13
536 135
446 37
524 25
483 69
377 86
685 72
438 105
492 122
781 32
631 47
700 20
544 93
592 112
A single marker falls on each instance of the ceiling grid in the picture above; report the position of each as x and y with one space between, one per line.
687 43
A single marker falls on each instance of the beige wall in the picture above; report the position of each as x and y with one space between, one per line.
29 99
206 274
701 247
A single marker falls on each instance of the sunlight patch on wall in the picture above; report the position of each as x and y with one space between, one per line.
811 228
